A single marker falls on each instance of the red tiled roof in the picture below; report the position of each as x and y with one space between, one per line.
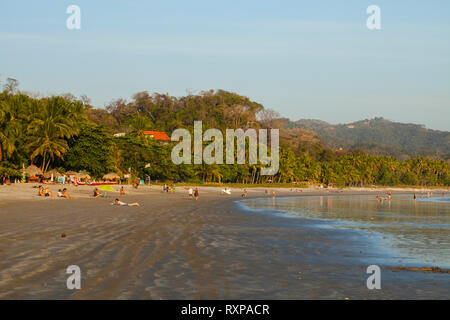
158 135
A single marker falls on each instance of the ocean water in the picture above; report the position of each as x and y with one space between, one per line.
415 231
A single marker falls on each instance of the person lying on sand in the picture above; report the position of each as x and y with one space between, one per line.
117 202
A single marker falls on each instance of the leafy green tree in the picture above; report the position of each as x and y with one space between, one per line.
91 150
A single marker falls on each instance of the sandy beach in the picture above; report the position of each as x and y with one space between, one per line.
172 247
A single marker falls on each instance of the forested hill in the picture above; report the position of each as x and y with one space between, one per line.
381 136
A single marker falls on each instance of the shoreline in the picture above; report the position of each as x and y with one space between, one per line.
172 247
28 191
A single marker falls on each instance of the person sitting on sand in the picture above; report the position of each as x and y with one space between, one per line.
59 195
122 191
96 193
64 194
47 192
41 191
117 202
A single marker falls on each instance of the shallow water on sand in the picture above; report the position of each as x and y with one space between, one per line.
416 232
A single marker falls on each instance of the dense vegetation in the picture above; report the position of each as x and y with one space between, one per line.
382 137
66 133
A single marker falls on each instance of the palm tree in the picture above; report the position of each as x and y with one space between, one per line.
56 120
9 128
139 124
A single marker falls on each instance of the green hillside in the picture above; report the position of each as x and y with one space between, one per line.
381 136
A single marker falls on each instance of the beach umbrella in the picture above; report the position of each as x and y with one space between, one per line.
111 176
33 171
106 188
53 172
82 175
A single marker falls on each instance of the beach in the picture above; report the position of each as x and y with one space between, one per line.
173 247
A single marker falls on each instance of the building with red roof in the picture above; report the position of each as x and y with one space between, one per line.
158 135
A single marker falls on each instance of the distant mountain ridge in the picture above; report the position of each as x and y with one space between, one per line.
380 136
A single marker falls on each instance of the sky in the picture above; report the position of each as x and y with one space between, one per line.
304 59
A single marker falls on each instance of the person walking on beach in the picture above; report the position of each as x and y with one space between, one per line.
190 192
196 194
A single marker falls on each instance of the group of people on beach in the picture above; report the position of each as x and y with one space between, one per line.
45 192
193 193
169 189
388 197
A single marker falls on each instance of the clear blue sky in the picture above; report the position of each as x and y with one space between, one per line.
305 59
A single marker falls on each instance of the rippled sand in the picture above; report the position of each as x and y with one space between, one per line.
172 247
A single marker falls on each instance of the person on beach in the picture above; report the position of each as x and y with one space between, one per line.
196 194
244 194
415 197
47 192
190 192
117 202
41 191
273 194
96 193
173 188
59 193
64 194
122 191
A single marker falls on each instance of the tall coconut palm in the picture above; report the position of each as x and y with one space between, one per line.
9 129
139 124
55 121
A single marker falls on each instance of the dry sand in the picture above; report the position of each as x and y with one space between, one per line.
172 247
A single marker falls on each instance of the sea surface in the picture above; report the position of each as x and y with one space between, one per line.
410 232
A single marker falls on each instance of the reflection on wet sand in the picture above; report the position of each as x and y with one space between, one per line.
418 230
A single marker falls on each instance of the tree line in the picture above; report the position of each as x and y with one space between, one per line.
67 133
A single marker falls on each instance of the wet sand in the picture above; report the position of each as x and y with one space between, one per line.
172 247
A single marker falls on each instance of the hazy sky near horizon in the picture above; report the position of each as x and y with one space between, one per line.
305 59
